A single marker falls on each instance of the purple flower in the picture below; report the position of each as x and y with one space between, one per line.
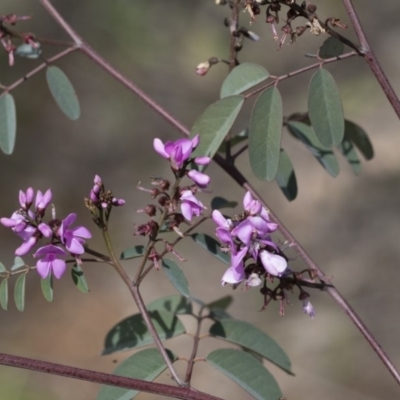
50 263
26 199
177 152
200 179
43 200
190 205
73 239
274 264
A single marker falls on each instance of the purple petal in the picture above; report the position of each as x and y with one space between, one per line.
81 232
26 246
43 268
224 235
219 219
237 259
97 180
59 268
202 160
195 141
243 231
160 148
233 275
187 210
201 179
49 249
45 230
273 263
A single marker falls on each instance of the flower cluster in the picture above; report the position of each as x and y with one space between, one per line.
62 239
249 237
256 259
179 154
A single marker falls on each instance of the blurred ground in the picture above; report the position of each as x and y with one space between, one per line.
349 225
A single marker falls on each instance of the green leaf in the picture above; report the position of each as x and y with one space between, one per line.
2 268
222 303
19 292
63 92
144 365
212 246
360 139
247 335
8 123
79 278
214 124
323 154
28 51
47 287
265 131
18 263
132 332
348 151
132 252
4 294
286 178
219 202
176 276
247 372
242 78
325 109
332 47
175 304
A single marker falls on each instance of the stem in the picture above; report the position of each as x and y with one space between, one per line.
185 393
140 304
38 69
371 59
300 71
196 342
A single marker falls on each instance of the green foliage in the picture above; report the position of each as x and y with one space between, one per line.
211 245
8 123
79 279
2 268
132 332
349 151
145 365
323 154
360 139
63 92
265 131
4 294
18 263
19 292
332 47
325 109
222 303
175 304
247 372
132 252
176 276
47 288
214 124
243 77
219 202
234 140
247 335
286 178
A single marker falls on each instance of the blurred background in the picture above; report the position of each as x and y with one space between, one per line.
350 225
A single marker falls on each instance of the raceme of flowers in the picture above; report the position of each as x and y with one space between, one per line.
62 239
249 237
179 154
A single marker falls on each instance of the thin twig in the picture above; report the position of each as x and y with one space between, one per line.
39 68
371 59
300 71
184 393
